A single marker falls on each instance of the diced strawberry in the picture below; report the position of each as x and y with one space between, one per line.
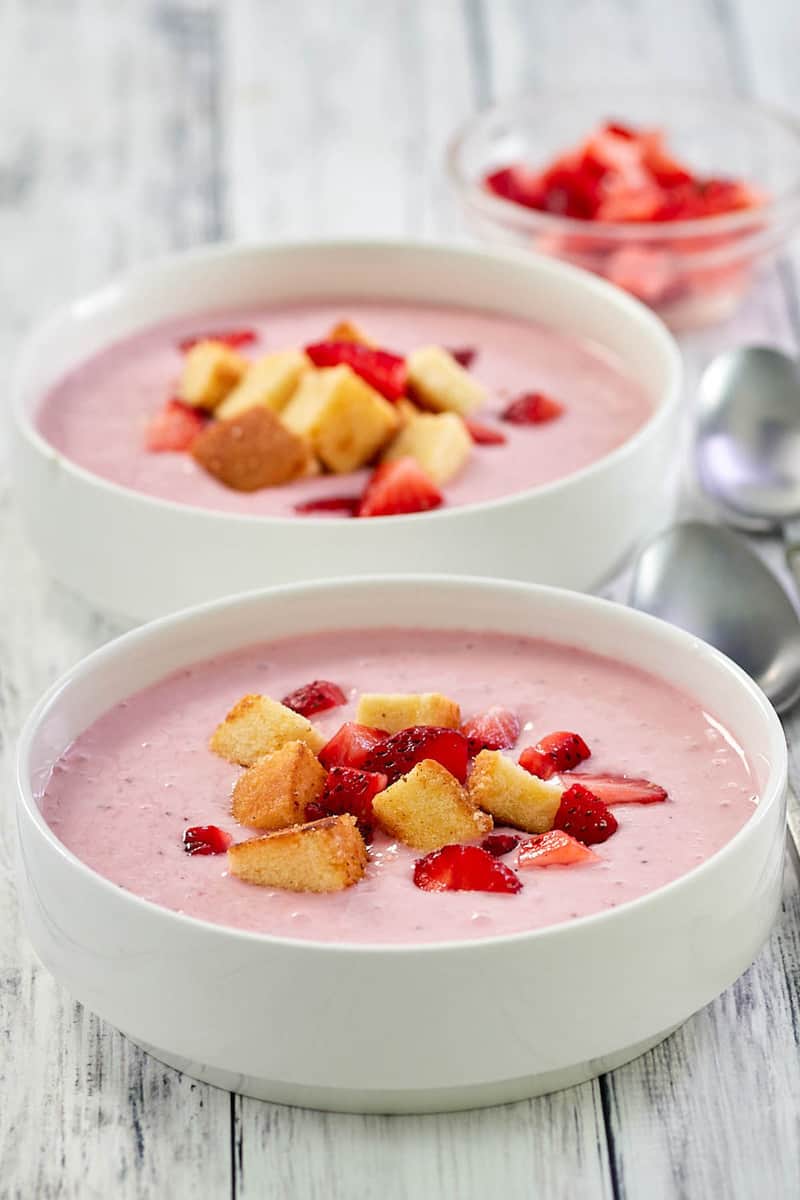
383 371
314 697
582 815
498 844
399 487
400 752
235 338
347 505
206 839
532 408
350 791
555 753
554 849
622 789
516 183
350 746
316 811
495 729
464 869
484 435
174 428
464 355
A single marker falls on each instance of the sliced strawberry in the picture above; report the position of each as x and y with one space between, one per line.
351 791
399 487
465 356
174 428
555 753
498 844
316 811
399 753
484 435
582 815
348 505
464 869
532 408
206 839
495 729
518 184
554 849
384 372
622 789
235 338
314 697
350 746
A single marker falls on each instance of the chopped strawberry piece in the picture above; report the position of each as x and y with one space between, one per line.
399 487
464 869
465 356
516 183
532 408
316 811
206 839
495 729
555 753
554 849
622 789
348 505
235 338
484 435
174 428
350 746
498 844
314 697
350 791
398 754
384 372
585 817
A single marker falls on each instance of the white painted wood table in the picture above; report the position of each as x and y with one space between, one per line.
141 126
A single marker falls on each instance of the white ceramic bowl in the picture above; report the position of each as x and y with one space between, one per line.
141 557
398 1028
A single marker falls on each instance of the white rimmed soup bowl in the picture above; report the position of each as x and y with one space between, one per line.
406 1028
140 556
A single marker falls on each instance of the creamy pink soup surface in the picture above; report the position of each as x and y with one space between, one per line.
123 793
96 415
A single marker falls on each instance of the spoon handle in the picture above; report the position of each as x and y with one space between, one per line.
791 547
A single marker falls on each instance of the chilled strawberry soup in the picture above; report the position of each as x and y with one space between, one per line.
146 795
536 406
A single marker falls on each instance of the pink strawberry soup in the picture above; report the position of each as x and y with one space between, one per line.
122 795
98 415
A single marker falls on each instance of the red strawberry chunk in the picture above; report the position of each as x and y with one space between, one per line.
316 811
400 753
464 869
350 791
465 356
518 184
622 789
498 844
348 505
495 729
235 338
532 408
585 817
206 839
554 849
484 435
314 697
350 746
399 487
174 428
555 753
384 372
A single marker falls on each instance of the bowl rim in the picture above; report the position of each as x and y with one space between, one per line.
642 624
783 207
664 408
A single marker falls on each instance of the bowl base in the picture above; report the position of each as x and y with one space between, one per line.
406 1100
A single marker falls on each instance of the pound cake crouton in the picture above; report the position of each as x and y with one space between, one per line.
429 808
346 421
210 371
512 795
322 856
258 725
438 382
251 451
438 441
395 711
268 383
274 792
348 331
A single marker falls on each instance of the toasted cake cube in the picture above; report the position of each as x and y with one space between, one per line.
210 371
512 795
322 856
438 382
440 444
274 792
251 451
348 331
396 711
268 383
346 421
429 808
258 725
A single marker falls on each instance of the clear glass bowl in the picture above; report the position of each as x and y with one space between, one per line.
691 273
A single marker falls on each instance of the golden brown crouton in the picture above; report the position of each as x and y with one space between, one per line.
210 371
348 331
346 421
512 795
256 726
428 808
438 441
396 711
268 383
250 452
323 856
274 792
438 382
